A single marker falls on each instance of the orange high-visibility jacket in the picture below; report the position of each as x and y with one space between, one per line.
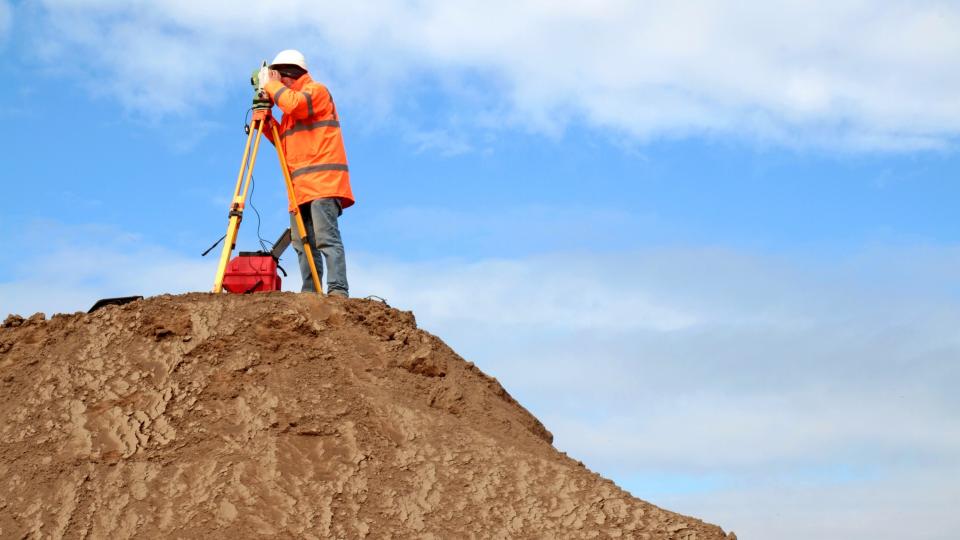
311 139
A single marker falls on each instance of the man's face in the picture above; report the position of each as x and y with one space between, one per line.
287 81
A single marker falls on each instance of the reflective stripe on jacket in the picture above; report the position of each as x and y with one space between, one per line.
310 135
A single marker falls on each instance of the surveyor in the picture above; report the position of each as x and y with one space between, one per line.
310 134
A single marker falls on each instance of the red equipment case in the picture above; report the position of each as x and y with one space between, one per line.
249 272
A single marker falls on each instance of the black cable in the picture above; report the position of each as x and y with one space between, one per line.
379 299
246 122
263 243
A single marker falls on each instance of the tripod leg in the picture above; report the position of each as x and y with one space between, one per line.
236 206
307 250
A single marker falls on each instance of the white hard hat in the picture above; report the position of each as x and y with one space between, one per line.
290 57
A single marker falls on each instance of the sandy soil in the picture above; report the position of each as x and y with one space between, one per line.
283 416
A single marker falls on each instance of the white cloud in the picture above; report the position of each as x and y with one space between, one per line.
96 272
502 228
895 506
439 141
71 271
862 75
564 296
752 376
6 20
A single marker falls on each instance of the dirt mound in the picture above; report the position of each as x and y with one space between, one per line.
280 415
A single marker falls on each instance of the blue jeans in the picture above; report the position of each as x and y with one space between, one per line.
320 220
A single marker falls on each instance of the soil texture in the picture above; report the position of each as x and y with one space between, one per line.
281 415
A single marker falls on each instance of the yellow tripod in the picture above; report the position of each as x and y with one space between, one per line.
262 119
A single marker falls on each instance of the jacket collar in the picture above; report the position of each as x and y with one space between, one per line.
301 82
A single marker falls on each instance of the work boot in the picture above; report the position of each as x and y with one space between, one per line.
338 292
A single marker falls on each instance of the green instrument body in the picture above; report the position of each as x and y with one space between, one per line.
260 98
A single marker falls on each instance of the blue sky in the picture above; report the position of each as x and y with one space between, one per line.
713 248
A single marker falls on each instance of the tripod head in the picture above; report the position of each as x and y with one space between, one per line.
260 98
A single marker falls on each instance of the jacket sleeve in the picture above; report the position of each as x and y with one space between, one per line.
298 104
